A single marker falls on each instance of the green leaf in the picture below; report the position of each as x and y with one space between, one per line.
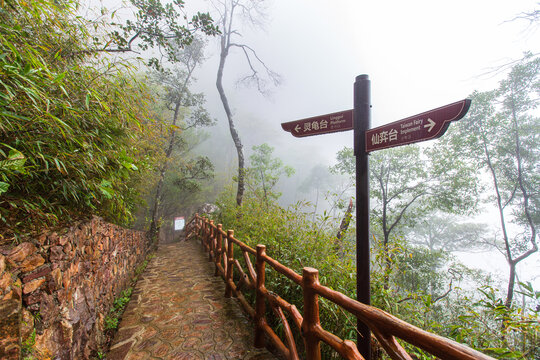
60 77
3 187
14 162
106 192
13 115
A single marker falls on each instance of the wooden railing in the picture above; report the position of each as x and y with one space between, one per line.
386 328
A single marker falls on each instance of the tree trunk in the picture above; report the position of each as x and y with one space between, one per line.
525 193
158 195
387 261
234 133
155 210
511 284
386 245
343 226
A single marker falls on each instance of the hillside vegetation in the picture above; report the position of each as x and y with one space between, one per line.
71 124
81 131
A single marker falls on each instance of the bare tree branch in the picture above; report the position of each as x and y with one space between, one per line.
254 76
533 17
438 298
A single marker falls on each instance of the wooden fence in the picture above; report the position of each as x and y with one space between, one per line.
385 327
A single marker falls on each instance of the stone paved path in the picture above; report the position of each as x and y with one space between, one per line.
178 311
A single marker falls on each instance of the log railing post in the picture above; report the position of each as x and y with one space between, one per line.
225 258
198 225
260 306
219 238
311 323
230 259
193 227
205 233
207 237
211 240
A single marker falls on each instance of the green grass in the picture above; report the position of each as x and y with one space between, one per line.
119 304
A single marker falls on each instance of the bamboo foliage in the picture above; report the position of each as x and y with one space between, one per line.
69 125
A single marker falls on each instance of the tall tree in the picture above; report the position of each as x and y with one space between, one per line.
501 138
185 186
265 171
154 25
403 179
441 231
230 13
318 180
177 97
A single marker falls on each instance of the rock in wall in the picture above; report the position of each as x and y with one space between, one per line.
10 313
58 289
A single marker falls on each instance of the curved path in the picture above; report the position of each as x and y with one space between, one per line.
178 311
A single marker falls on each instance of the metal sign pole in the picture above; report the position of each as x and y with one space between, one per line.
425 126
362 123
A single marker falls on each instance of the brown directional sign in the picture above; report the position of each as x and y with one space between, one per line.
427 125
317 125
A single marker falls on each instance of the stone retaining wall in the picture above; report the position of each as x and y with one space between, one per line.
59 288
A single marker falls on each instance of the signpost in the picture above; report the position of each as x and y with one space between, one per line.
324 124
425 126
362 122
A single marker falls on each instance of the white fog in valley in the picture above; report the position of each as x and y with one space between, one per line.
419 55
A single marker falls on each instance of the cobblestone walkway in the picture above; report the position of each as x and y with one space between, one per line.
178 311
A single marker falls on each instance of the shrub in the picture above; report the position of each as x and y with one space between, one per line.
420 291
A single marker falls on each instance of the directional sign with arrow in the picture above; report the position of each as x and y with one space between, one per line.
427 125
323 124
430 125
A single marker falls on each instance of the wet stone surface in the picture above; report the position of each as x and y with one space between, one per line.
178 311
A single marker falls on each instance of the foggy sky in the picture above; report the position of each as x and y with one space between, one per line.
419 54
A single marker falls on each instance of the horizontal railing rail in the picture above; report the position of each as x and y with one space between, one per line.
385 327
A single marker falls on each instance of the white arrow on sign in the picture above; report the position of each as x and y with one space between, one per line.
430 125
297 128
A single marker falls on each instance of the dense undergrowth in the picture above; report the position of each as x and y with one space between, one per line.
429 290
71 122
